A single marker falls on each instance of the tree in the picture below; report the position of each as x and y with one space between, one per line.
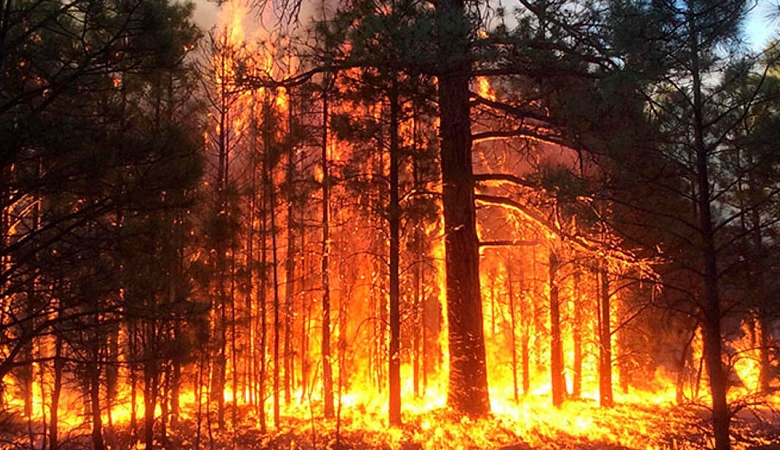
468 389
48 94
81 88
686 98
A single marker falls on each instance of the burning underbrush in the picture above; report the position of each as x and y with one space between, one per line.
531 424
578 425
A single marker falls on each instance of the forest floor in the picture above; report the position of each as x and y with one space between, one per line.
577 425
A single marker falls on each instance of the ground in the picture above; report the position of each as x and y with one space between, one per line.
578 425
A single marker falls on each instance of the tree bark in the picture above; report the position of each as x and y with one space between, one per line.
513 328
393 212
56 390
577 337
556 345
261 298
605 340
327 371
151 383
468 388
271 192
289 267
93 370
721 417
762 322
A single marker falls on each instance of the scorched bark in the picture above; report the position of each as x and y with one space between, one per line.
468 391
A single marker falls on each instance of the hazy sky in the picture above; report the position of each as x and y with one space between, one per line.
205 13
760 28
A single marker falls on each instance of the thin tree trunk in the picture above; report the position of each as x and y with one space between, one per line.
605 344
56 390
261 296
577 336
327 371
94 397
513 328
164 405
394 213
233 344
175 391
27 375
151 383
526 321
306 315
713 354
556 345
219 367
251 363
269 183
289 295
419 324
762 324
199 394
526 360
112 375
133 351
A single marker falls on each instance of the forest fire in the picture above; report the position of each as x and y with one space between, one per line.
389 230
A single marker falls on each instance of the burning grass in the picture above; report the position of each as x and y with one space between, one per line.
578 425
533 423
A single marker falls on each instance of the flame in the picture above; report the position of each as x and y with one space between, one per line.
484 89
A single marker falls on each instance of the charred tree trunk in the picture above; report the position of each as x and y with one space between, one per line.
468 389
251 365
175 390
199 395
289 267
164 397
556 345
132 343
25 372
261 298
27 375
765 374
713 353
151 389
219 366
277 304
605 341
327 371
93 371
761 320
513 328
419 324
234 372
112 374
306 315
577 337
394 213
270 190
305 323
56 390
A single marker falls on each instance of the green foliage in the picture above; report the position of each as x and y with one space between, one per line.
97 163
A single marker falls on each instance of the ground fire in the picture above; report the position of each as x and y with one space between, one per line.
371 225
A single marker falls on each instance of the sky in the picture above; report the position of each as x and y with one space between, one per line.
206 13
759 28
